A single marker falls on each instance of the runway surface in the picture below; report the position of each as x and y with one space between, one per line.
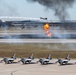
37 40
37 69
6 35
17 32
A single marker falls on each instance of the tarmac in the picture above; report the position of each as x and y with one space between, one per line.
37 69
30 31
37 40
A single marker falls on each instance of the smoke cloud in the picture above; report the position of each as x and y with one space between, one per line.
58 6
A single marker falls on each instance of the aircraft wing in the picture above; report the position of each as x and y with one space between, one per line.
46 60
10 59
64 61
26 59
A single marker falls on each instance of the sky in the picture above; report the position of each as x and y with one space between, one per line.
22 8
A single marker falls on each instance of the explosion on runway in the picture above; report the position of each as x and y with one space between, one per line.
60 9
47 30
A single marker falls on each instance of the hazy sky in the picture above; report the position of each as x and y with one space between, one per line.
31 10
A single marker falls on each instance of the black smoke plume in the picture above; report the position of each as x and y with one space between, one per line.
58 6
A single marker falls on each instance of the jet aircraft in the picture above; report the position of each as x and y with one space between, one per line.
64 61
45 61
9 60
27 60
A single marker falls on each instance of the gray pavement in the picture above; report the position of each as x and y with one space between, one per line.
37 40
37 69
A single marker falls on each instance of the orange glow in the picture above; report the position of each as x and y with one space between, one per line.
48 33
46 26
47 30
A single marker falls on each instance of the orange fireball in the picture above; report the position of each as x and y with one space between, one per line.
47 30
46 26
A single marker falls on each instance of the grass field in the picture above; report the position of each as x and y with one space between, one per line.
39 50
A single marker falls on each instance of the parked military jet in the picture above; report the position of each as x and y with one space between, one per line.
9 60
64 61
27 60
45 61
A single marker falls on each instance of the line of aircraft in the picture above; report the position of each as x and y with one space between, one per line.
42 61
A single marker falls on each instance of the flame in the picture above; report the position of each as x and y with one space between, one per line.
48 33
46 26
47 30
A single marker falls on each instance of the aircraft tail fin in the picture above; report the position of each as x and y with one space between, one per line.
49 57
31 56
68 57
14 56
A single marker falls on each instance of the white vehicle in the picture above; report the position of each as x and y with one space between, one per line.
45 61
